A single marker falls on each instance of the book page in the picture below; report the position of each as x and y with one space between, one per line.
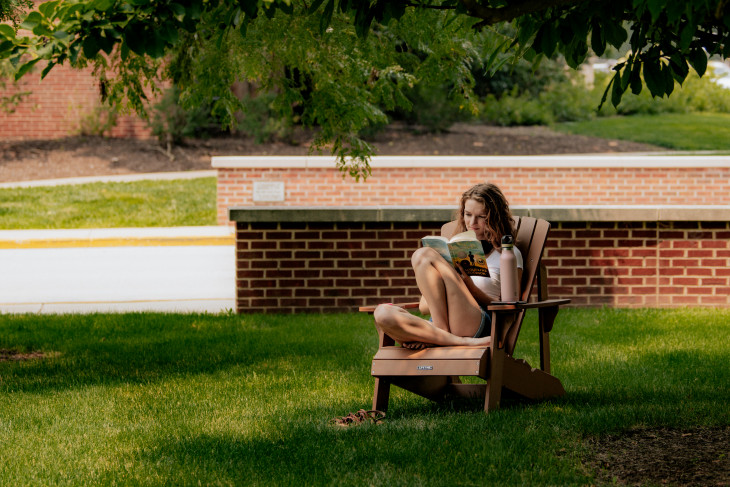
440 245
468 235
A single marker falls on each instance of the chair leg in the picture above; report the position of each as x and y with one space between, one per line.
381 394
494 386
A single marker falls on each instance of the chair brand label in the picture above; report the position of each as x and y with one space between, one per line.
424 367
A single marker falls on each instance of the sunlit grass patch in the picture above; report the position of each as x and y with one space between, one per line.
152 203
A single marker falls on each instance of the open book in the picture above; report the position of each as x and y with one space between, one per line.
463 248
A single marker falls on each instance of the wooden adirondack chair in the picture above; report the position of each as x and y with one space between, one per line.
434 372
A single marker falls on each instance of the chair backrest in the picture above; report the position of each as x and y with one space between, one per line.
531 236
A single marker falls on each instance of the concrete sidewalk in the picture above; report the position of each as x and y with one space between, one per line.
118 178
184 269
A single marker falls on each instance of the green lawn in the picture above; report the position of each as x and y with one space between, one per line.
686 131
168 399
105 205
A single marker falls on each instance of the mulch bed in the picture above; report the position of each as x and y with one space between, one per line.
691 457
29 160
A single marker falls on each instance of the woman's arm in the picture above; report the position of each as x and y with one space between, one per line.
482 298
478 294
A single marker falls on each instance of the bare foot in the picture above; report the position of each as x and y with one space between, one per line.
417 345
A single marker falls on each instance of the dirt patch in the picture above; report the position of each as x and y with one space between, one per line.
91 156
693 457
16 356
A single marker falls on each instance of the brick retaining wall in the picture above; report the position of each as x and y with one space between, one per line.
335 259
546 180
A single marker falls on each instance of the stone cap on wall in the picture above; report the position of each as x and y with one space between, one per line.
665 160
554 213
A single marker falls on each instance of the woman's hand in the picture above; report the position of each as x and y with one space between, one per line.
464 276
478 294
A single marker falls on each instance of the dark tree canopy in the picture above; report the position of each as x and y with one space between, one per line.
127 40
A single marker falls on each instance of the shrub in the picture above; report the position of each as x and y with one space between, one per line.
432 110
171 123
260 121
100 120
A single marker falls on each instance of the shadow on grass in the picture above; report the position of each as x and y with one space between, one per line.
144 347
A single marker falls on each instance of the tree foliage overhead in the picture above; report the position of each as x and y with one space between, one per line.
339 61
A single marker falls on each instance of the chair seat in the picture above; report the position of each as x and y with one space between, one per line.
399 361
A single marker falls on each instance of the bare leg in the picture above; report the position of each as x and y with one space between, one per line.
405 327
452 307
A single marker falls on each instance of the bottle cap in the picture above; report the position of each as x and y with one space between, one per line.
507 241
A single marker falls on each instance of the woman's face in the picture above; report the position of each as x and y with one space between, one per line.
475 218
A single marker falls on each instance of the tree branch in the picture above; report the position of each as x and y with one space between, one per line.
512 10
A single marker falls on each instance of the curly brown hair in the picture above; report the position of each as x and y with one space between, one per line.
499 217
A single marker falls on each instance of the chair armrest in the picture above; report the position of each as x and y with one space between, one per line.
371 309
531 305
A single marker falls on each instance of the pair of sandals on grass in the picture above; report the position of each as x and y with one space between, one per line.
362 416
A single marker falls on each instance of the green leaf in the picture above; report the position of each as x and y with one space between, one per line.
42 30
656 7
668 79
90 46
546 39
156 48
286 7
124 51
177 10
636 83
617 91
106 43
25 68
135 36
315 5
251 7
605 93
326 18
169 33
61 35
686 35
47 69
48 8
7 31
615 33
626 75
598 39
675 10
680 70
6 46
33 19
698 59
102 5
653 77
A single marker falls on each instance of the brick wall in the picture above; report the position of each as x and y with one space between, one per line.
57 104
286 265
292 267
640 264
565 180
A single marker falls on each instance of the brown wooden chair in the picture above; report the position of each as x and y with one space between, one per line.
434 372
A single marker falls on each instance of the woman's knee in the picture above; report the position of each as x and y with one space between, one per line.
385 316
424 255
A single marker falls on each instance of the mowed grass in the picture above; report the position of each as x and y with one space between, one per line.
177 399
184 202
678 131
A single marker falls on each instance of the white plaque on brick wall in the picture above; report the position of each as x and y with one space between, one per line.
267 191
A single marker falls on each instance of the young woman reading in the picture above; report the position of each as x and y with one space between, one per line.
456 302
